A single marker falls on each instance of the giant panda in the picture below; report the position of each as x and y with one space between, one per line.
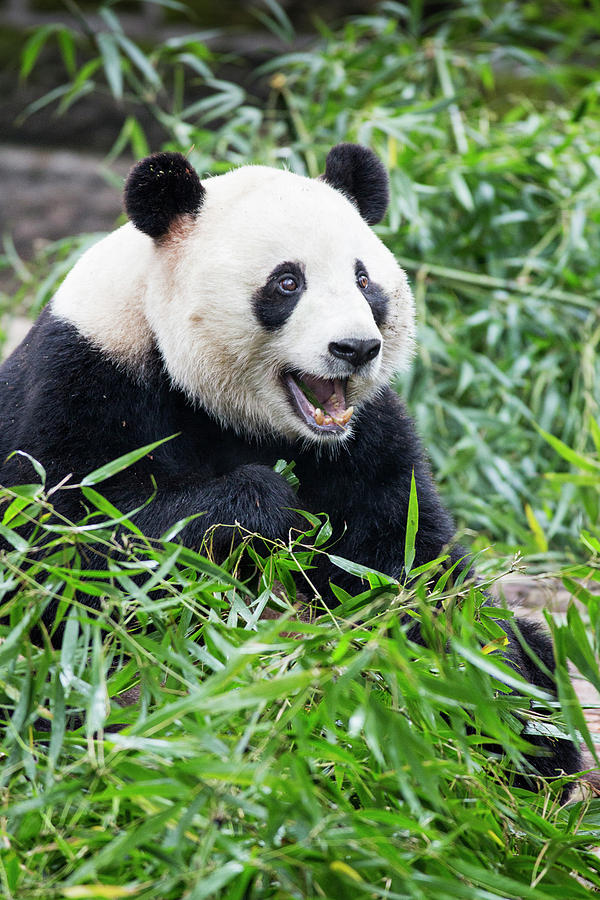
258 317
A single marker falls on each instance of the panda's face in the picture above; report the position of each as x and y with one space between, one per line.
277 308
272 302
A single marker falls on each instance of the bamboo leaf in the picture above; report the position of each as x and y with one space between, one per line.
122 462
111 60
412 526
576 459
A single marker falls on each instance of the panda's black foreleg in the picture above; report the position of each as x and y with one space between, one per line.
251 498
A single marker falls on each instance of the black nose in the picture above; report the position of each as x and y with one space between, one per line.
355 351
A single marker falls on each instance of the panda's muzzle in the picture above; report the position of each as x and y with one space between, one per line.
320 402
354 351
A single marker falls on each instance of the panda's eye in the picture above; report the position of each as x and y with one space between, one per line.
287 284
362 280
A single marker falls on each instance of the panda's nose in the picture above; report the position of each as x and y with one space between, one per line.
355 351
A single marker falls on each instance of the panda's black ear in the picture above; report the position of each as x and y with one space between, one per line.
159 189
360 175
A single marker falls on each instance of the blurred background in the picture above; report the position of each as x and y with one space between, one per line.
232 38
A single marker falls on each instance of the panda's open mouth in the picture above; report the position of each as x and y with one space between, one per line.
321 402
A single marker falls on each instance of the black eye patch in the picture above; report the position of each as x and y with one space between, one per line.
275 301
373 293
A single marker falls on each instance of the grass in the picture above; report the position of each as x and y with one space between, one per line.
283 758
270 758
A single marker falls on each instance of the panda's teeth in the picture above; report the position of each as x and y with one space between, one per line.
330 414
344 417
322 418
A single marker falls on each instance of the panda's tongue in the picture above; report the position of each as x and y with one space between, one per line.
321 401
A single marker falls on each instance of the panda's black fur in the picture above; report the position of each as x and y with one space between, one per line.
73 407
160 188
356 172
364 489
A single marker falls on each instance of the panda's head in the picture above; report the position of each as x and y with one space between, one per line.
273 303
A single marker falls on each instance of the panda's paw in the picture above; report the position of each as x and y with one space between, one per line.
263 502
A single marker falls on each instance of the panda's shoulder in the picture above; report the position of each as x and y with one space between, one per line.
54 352
57 375
45 348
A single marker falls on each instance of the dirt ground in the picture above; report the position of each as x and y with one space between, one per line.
47 195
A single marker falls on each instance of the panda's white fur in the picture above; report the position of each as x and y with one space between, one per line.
191 292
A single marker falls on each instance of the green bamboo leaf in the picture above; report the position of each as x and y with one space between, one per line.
499 670
536 528
97 701
19 504
131 134
592 542
172 532
208 885
196 64
412 525
200 564
286 470
595 432
57 733
347 565
323 534
572 712
42 102
75 94
34 46
67 51
278 22
68 650
114 514
14 539
577 640
138 140
577 459
461 190
111 60
12 641
111 19
34 462
139 59
122 462
573 478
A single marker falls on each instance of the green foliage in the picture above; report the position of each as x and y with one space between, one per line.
586 482
321 755
40 279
